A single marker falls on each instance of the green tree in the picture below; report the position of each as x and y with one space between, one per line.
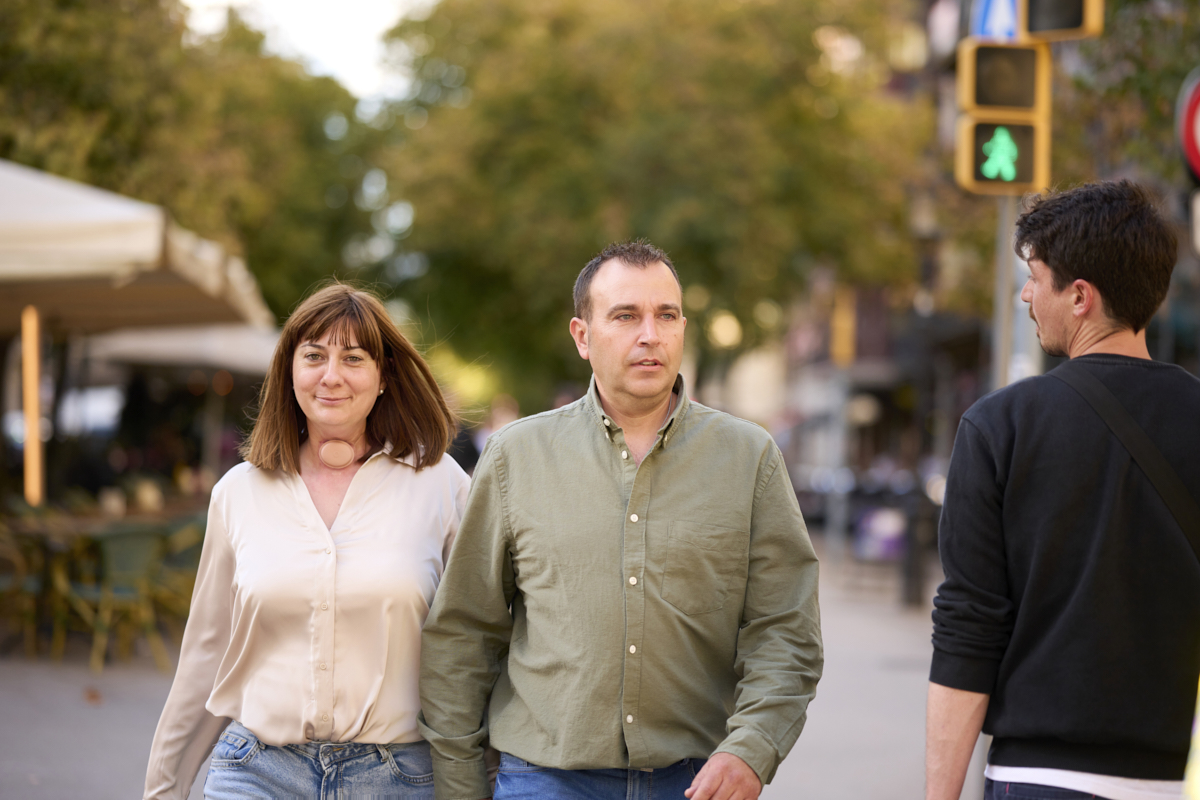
1115 95
301 213
749 139
232 140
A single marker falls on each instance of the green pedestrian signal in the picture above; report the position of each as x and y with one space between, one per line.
1002 153
1002 139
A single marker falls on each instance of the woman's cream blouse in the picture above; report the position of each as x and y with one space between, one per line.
301 632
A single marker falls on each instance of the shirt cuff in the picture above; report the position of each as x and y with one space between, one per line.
964 672
755 749
460 780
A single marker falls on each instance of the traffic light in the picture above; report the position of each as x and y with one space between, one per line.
1054 20
1003 137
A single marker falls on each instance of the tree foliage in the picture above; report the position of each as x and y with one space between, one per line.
232 140
1115 96
749 139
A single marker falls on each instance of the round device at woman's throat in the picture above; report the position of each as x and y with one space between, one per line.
336 454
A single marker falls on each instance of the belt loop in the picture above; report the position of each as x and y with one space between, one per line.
385 754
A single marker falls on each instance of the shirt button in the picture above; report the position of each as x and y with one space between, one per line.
607 423
322 666
324 718
624 454
633 581
629 718
327 550
633 648
633 517
324 606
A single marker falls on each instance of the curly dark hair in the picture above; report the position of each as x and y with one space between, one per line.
638 253
1111 234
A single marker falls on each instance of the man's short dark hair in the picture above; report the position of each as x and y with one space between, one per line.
1111 234
639 253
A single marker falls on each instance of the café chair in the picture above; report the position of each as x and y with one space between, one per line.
130 557
177 578
20 587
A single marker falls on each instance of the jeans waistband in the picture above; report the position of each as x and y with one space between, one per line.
333 752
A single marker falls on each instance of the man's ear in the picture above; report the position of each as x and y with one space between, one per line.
579 330
1084 298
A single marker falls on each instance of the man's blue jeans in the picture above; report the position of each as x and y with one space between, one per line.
243 767
996 790
520 780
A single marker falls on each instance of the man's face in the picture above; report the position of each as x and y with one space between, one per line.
1049 308
634 337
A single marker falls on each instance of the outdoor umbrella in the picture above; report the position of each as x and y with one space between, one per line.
75 259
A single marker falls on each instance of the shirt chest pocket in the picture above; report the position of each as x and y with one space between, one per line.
704 563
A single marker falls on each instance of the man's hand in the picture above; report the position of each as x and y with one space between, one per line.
953 719
725 777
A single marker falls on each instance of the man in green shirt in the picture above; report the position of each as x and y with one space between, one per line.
630 608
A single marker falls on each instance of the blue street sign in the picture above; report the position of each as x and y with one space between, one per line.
994 19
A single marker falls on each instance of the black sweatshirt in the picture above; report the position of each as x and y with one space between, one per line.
1072 596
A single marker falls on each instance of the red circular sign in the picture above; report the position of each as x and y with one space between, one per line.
1187 121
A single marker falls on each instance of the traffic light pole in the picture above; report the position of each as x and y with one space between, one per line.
1002 300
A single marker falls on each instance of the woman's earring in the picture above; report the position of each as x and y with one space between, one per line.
381 390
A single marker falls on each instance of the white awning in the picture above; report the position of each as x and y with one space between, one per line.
91 261
238 348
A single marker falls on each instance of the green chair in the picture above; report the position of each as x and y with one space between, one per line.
130 558
20 587
176 579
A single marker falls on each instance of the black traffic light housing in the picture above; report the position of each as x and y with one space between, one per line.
1003 136
1055 20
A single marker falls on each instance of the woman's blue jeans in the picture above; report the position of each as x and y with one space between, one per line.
520 780
244 767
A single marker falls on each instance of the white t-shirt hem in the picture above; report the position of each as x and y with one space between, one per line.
1109 787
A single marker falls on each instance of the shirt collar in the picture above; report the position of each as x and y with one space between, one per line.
607 423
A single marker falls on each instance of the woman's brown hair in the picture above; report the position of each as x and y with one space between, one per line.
411 414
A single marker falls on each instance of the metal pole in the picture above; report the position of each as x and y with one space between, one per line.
1002 308
837 502
31 380
1027 357
214 415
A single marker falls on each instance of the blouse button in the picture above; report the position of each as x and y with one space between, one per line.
322 665
624 454
324 606
324 718
633 517
327 550
633 581
629 718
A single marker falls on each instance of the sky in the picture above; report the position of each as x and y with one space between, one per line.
344 43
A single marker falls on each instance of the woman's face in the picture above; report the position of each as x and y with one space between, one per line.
335 386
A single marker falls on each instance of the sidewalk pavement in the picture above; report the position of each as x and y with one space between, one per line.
67 733
865 735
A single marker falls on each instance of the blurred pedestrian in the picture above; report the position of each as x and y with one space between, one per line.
322 554
631 606
1068 626
504 409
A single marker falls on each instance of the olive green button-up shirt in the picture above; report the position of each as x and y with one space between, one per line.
600 614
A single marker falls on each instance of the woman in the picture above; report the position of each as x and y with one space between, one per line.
321 557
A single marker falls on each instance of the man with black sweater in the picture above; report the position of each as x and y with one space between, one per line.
1068 626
